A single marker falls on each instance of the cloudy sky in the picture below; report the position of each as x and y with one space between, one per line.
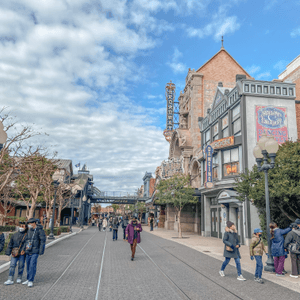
92 73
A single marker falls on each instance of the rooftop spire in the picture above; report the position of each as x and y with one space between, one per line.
222 43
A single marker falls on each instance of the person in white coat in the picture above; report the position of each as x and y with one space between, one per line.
104 224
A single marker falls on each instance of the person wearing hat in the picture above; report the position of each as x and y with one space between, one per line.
34 246
231 249
293 237
16 248
257 249
133 230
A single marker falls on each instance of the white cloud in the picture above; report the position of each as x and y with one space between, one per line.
295 32
281 65
253 69
175 65
220 25
264 76
57 71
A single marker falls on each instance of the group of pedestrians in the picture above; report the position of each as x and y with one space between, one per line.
25 246
280 248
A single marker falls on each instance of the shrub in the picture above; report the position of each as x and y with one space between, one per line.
56 231
6 243
7 228
65 228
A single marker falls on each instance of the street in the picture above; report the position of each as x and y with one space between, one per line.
90 265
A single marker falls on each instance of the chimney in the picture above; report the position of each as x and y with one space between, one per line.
220 84
239 77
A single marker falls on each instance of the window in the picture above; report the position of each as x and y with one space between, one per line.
225 130
291 92
207 138
246 87
236 111
284 91
213 201
272 90
278 91
216 132
231 162
259 90
215 167
237 127
252 88
266 89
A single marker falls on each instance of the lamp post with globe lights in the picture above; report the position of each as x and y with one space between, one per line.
265 148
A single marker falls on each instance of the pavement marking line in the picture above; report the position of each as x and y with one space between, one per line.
185 295
67 268
101 267
200 272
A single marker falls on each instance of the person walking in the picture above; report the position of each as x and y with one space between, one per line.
100 222
292 243
104 224
257 249
34 247
231 249
115 225
15 248
133 231
277 247
151 223
110 223
125 222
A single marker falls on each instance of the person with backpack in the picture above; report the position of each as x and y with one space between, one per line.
100 221
292 243
34 247
231 249
257 249
16 248
277 247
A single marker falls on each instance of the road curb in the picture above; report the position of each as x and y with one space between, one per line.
5 266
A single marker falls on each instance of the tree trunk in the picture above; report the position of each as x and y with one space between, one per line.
179 224
30 211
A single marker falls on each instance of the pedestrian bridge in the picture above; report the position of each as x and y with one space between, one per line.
114 197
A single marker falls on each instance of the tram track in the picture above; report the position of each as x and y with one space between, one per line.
70 264
191 267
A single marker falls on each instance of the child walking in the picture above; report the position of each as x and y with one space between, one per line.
257 249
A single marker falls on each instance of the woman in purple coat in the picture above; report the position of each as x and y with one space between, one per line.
133 230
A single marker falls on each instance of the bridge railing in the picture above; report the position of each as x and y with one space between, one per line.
114 194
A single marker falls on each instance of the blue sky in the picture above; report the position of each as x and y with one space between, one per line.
92 73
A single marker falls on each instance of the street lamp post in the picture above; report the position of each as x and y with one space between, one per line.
72 212
266 147
51 235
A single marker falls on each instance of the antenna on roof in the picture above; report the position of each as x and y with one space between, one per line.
222 43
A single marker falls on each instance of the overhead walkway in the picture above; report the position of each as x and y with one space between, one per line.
114 197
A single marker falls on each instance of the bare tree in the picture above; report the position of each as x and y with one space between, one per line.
6 203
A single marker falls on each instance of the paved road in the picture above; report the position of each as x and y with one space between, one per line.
162 270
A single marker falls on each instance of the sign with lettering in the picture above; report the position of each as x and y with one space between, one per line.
209 166
222 143
170 96
273 121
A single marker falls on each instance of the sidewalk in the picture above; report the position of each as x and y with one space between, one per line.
214 247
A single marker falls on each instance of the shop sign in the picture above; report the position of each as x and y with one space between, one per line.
273 121
223 143
209 166
231 169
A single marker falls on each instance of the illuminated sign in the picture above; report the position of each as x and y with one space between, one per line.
209 166
273 121
232 169
170 96
222 143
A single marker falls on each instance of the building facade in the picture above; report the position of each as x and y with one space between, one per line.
236 121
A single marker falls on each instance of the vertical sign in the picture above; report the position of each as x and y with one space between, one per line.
170 96
209 166
273 121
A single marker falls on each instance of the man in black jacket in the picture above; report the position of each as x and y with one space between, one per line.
17 242
34 246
